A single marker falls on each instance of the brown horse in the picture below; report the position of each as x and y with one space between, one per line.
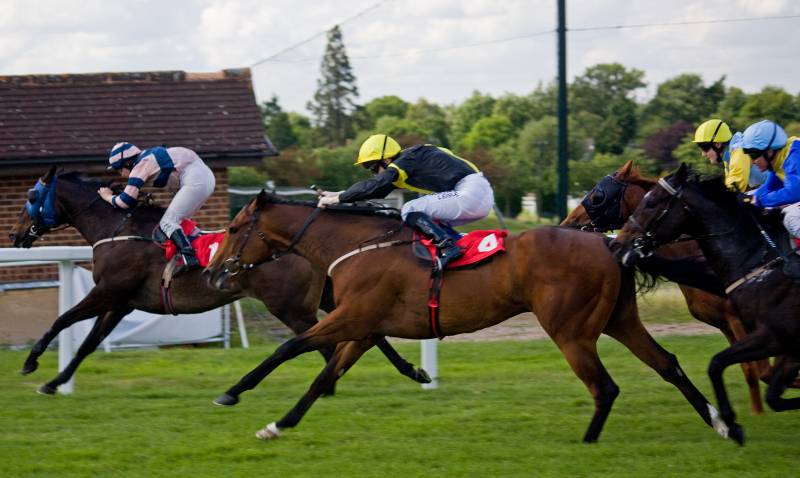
568 278
611 202
128 275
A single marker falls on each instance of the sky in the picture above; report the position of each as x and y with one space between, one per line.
440 50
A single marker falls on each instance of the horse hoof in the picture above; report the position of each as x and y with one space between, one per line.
269 432
29 367
736 433
421 376
226 400
47 390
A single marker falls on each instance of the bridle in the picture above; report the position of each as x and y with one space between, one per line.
233 265
604 217
645 244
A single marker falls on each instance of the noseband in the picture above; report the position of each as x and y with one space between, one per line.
233 265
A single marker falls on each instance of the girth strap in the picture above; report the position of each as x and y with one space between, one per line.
433 303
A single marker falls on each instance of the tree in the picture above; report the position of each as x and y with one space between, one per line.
683 98
606 91
661 145
432 120
277 125
489 132
386 106
468 113
730 106
772 103
334 101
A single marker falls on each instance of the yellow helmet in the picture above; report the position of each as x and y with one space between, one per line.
713 131
377 147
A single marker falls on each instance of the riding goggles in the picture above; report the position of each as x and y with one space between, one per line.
755 153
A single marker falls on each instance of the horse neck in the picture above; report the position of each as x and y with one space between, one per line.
634 194
330 236
729 241
92 218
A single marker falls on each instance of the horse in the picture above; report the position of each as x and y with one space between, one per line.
568 278
609 204
128 275
733 242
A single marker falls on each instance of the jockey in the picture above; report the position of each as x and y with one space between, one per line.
454 190
770 150
193 181
721 147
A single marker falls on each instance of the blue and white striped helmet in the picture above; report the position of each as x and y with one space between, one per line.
764 135
121 153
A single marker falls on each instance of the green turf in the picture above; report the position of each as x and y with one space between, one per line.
503 409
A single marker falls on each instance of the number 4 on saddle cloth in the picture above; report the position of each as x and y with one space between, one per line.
476 246
205 244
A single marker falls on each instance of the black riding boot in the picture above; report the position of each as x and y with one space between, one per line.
791 267
185 249
445 245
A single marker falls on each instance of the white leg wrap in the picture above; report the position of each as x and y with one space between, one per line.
269 432
716 422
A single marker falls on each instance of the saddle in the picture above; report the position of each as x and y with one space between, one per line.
477 246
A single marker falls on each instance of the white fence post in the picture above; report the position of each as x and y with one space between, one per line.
430 362
65 344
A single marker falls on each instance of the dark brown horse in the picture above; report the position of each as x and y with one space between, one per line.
610 203
733 242
568 278
128 276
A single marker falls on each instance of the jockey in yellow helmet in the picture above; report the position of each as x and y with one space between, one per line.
453 189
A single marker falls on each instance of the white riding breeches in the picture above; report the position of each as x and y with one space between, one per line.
196 185
472 199
791 219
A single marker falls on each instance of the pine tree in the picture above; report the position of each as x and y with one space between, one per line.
334 101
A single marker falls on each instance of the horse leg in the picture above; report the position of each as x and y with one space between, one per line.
98 301
347 353
102 327
783 376
403 366
331 330
582 357
636 338
749 369
758 345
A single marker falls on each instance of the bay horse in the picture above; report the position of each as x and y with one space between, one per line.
568 278
606 208
128 276
731 240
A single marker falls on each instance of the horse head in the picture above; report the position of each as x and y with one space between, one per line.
607 206
245 245
659 219
39 214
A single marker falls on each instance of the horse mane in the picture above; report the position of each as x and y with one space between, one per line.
353 209
91 185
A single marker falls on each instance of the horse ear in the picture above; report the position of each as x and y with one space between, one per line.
50 175
625 170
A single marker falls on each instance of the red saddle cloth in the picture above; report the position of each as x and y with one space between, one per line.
204 245
477 246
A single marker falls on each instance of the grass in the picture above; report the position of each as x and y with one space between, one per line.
503 409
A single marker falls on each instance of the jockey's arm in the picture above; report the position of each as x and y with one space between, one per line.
373 188
141 173
769 196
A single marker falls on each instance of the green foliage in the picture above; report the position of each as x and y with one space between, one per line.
468 113
401 128
432 120
688 152
772 103
387 106
334 100
277 124
583 175
336 167
245 176
510 409
683 98
488 132
606 91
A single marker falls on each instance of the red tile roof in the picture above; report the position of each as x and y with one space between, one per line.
78 118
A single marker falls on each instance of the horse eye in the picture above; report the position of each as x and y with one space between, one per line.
598 198
33 196
233 230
